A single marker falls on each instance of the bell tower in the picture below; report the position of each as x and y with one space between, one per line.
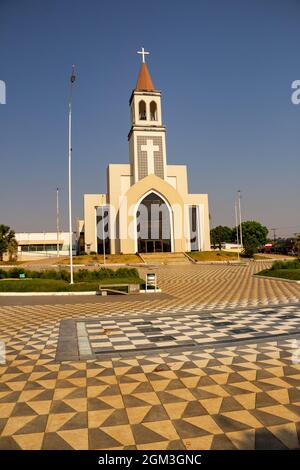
147 143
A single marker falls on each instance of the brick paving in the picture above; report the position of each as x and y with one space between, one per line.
242 396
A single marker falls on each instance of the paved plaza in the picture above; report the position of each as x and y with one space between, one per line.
212 363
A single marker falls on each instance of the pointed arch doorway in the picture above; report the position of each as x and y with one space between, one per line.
153 225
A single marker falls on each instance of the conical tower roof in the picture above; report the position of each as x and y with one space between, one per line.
144 81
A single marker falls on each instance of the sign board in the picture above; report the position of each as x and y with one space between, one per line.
22 276
151 280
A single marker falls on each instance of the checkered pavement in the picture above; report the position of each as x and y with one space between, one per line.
190 329
237 395
240 397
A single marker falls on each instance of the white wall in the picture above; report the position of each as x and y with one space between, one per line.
40 238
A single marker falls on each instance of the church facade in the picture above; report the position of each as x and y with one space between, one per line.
147 206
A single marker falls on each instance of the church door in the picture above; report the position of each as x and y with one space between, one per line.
153 225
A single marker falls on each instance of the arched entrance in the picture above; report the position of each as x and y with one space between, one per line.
153 225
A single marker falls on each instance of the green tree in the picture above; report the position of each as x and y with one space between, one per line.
254 235
221 234
8 242
296 245
12 249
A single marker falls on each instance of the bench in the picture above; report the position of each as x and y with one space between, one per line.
104 289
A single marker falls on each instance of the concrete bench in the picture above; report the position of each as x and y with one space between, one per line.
104 289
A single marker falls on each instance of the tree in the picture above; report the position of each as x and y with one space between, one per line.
254 235
221 234
8 242
296 245
12 249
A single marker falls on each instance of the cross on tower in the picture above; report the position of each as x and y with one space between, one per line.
150 149
143 53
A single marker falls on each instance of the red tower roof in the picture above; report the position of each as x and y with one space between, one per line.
144 81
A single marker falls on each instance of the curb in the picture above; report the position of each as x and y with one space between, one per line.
271 278
41 294
150 291
223 263
192 260
66 294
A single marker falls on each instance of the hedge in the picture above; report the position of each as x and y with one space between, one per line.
295 264
64 275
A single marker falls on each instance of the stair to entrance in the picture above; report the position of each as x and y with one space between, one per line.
165 258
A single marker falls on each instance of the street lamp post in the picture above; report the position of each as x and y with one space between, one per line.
72 80
240 218
103 235
237 230
57 220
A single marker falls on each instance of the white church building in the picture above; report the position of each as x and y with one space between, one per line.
147 206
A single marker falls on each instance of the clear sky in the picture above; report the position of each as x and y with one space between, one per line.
225 69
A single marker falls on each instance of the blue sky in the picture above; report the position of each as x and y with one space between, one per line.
225 69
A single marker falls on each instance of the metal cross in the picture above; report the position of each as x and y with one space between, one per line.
143 53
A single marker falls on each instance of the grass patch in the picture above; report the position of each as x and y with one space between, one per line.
64 275
295 264
33 285
284 269
53 285
58 280
262 257
213 255
98 259
10 263
292 274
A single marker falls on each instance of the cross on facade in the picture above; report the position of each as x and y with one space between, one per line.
150 149
143 53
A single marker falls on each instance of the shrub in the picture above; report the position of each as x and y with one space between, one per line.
83 275
105 273
3 274
295 264
15 272
127 272
250 248
50 274
34 274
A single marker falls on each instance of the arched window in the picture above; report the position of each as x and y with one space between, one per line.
142 111
153 111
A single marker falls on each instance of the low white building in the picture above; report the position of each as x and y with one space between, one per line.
43 244
231 247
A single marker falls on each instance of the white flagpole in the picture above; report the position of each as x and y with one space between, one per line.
57 220
237 230
240 217
103 236
72 80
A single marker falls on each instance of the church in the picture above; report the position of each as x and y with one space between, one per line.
147 207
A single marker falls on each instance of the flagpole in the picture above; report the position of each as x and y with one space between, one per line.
240 217
237 231
72 80
57 220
